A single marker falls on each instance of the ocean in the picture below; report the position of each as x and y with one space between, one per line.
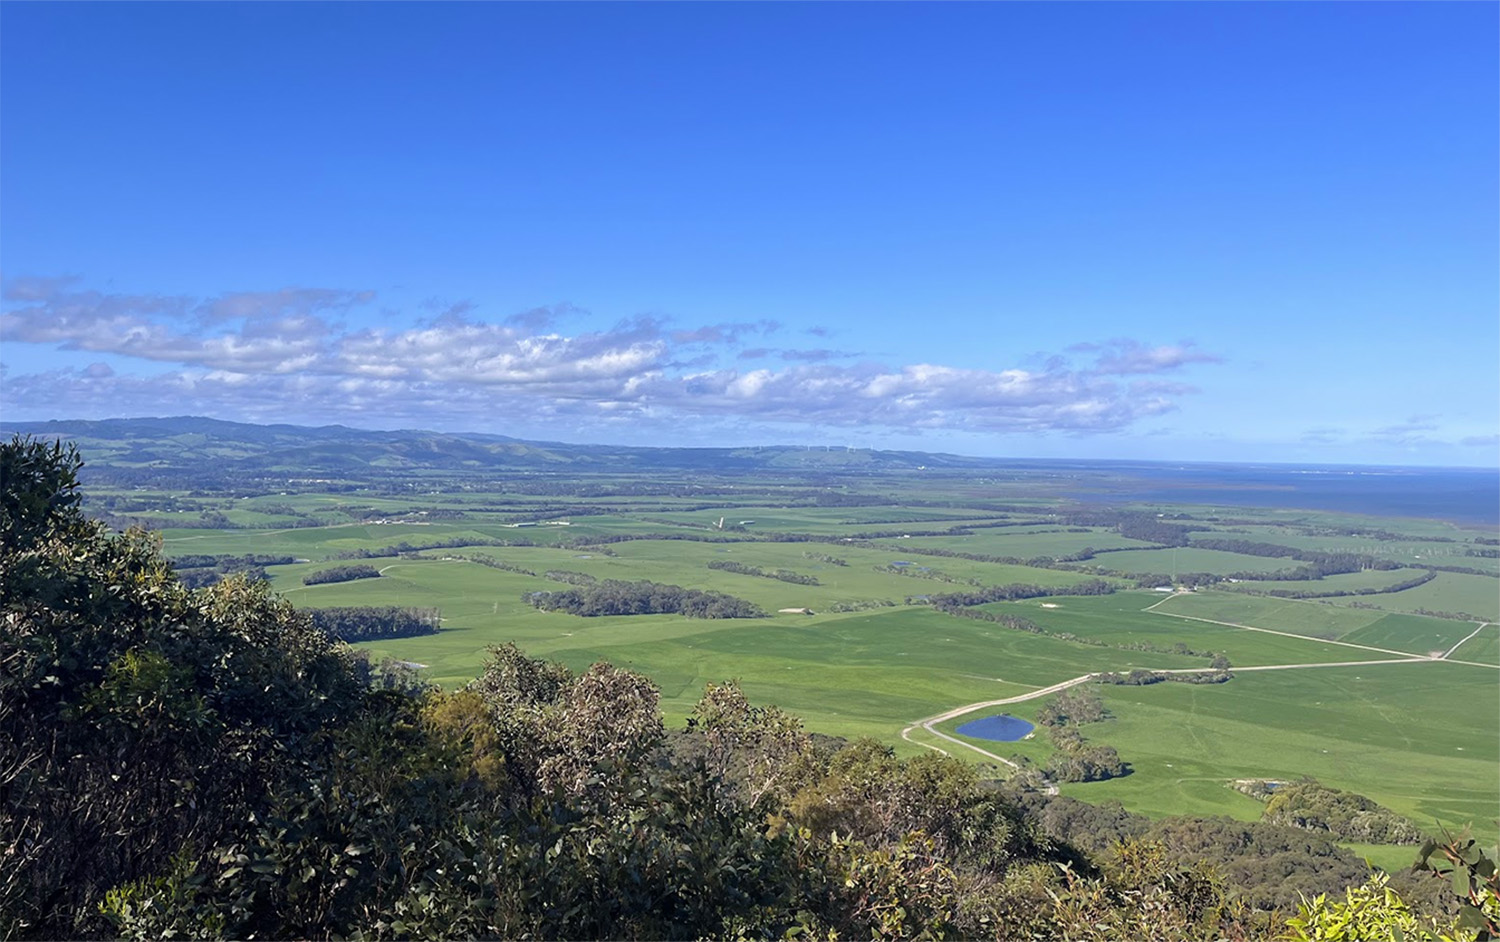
1469 496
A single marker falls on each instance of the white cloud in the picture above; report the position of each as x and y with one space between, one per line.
281 353
1411 432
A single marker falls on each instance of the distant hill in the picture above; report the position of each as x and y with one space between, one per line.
191 443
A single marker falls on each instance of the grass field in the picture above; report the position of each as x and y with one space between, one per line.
1027 542
1441 553
1484 647
1414 633
1188 560
1449 592
1343 582
1300 617
1390 732
1122 619
852 675
1386 731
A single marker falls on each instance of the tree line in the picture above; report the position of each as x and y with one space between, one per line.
374 622
616 597
1144 678
340 574
1422 578
199 570
783 575
1016 591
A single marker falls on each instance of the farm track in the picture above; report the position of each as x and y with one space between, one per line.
1403 657
1482 626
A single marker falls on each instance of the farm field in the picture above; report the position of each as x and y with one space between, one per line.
1297 616
1126 618
1414 551
870 656
1414 634
1387 731
1028 542
850 675
1187 559
1476 596
1328 585
1483 647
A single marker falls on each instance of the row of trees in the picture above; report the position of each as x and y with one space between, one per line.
825 558
1422 578
374 622
197 571
1144 678
1020 590
493 563
405 547
783 575
616 597
1315 564
340 574
227 561
1021 623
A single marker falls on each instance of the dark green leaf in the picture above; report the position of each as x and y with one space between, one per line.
1470 917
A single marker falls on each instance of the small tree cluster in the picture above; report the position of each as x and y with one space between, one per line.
340 574
614 597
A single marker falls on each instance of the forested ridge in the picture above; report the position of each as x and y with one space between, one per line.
206 763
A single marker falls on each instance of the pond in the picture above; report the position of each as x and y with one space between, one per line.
1000 728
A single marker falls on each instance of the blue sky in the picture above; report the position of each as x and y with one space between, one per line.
1212 231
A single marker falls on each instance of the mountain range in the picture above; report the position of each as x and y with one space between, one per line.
188 442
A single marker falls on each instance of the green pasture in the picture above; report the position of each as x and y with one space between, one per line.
1343 582
1449 592
1415 633
1187 559
681 562
1484 647
852 675
1413 551
1297 616
1123 619
1300 519
1420 737
316 542
1027 542
825 520
1387 857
